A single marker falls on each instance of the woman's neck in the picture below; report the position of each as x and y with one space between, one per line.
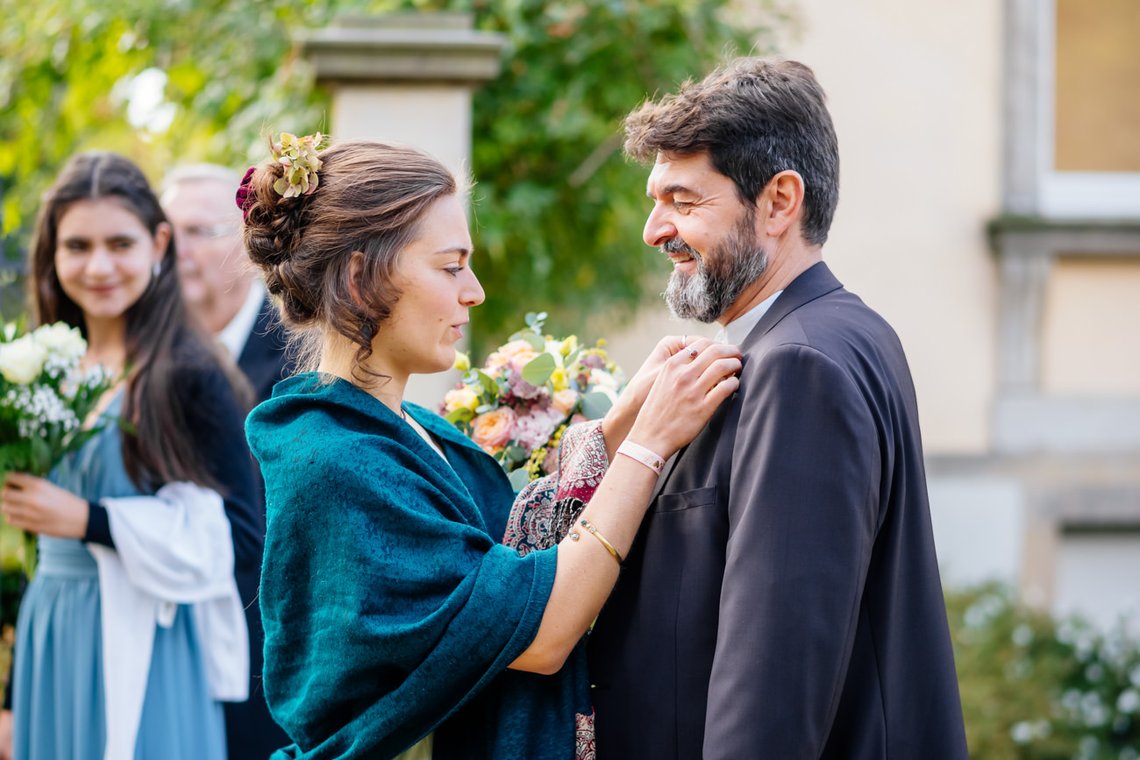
338 357
107 343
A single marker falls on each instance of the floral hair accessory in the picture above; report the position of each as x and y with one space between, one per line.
299 157
241 198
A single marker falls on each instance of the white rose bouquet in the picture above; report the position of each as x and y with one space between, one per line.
45 397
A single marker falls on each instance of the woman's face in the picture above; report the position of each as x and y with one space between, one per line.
104 257
437 288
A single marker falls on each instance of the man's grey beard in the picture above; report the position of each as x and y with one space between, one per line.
733 266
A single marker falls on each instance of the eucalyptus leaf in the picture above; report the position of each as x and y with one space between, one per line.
515 454
595 405
518 478
539 369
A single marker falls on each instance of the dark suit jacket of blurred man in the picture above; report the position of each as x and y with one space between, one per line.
782 599
250 731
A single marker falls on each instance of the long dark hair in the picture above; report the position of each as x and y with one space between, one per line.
159 339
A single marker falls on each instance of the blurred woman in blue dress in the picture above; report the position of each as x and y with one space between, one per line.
131 632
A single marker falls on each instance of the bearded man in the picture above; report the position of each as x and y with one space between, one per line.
782 599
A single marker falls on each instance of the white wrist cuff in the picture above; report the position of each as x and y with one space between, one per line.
639 453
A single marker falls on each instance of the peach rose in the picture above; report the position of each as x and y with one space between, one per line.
492 430
565 400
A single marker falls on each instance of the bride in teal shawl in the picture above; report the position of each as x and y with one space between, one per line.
393 609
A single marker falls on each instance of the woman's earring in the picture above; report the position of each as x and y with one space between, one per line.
156 270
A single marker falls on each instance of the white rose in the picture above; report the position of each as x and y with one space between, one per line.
62 340
600 380
22 360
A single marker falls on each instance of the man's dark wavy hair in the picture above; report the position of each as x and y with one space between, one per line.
756 117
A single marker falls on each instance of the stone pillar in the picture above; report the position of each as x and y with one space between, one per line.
407 78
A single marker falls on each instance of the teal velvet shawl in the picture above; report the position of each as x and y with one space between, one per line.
391 610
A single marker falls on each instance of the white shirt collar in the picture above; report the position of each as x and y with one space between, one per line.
737 330
235 334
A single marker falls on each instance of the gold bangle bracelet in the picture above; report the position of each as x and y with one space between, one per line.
594 532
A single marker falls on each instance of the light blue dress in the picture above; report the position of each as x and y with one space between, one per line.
58 707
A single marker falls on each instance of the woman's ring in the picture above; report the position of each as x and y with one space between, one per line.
693 353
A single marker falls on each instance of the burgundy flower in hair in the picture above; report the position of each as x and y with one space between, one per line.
242 196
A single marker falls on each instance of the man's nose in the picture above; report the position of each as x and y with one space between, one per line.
658 227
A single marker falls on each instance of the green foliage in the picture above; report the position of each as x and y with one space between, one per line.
233 72
558 211
1037 689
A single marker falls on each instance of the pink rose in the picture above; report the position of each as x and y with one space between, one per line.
492 430
515 354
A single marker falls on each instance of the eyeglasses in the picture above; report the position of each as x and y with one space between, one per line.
206 231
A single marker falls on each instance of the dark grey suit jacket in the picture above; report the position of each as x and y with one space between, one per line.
782 598
262 358
250 731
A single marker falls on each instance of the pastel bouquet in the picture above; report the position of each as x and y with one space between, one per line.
517 405
45 397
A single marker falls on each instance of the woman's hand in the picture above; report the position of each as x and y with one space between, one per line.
5 735
690 385
39 506
621 416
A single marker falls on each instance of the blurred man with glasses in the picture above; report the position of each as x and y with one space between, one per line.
223 291
218 282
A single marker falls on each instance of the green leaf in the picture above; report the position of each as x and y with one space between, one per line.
518 478
536 341
461 415
595 405
515 454
490 387
41 456
535 321
539 369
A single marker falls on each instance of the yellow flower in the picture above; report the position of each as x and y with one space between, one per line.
461 398
569 345
462 362
560 379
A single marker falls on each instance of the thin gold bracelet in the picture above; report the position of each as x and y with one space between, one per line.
609 547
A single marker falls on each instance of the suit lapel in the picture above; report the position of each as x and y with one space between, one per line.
814 282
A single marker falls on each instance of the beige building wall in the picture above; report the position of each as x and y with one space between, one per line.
1090 342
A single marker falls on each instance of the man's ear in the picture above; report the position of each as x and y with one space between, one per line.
784 198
